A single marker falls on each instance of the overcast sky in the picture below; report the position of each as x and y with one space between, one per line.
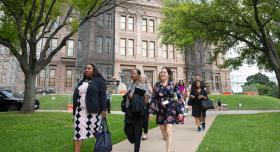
238 77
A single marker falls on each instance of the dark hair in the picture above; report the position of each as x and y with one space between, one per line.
197 74
169 72
96 72
180 82
137 70
196 83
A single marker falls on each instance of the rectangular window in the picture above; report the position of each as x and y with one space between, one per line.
80 44
70 48
216 61
151 26
107 45
56 23
69 74
209 58
164 51
123 22
99 42
171 52
108 20
52 78
144 25
130 23
41 78
122 47
3 78
2 50
203 76
130 49
152 49
144 48
100 19
5 64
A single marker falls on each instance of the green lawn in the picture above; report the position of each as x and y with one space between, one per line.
53 132
55 102
250 102
248 133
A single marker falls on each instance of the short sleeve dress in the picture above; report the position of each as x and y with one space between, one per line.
197 110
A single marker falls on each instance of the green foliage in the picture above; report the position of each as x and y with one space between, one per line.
226 24
263 84
259 78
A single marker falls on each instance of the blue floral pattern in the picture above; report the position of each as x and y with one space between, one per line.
166 113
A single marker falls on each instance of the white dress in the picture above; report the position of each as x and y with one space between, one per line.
86 125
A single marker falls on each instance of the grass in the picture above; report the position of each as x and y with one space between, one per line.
54 102
41 132
249 102
250 133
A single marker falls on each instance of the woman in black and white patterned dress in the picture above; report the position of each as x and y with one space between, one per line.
89 105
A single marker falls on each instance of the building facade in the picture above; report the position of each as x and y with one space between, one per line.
116 42
200 60
11 76
60 73
137 43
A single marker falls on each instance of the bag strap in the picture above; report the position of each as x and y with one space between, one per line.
104 125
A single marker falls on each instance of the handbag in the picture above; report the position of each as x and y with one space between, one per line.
207 104
123 103
103 141
190 102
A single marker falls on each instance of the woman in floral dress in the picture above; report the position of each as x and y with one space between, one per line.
167 103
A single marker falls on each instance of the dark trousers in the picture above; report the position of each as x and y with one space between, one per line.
108 106
134 132
146 121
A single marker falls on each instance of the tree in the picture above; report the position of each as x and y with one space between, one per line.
250 25
262 83
259 78
24 23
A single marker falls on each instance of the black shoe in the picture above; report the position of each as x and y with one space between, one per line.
203 126
198 129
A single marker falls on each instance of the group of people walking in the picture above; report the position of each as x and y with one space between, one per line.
166 99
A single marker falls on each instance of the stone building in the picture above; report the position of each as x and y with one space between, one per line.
127 38
122 39
11 76
200 60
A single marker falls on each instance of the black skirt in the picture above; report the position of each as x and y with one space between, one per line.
197 110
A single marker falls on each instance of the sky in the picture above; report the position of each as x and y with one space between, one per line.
238 77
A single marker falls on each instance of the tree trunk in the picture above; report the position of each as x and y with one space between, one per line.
29 93
274 60
278 80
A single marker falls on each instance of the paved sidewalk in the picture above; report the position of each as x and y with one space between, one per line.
208 112
185 137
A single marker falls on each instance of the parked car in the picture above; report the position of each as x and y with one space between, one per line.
10 101
46 91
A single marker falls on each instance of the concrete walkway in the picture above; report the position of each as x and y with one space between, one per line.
185 137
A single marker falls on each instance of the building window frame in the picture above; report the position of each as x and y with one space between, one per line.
123 23
70 48
123 47
144 47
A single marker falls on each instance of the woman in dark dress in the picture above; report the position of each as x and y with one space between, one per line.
89 105
167 103
197 95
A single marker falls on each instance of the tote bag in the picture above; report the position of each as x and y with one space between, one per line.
207 104
103 141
